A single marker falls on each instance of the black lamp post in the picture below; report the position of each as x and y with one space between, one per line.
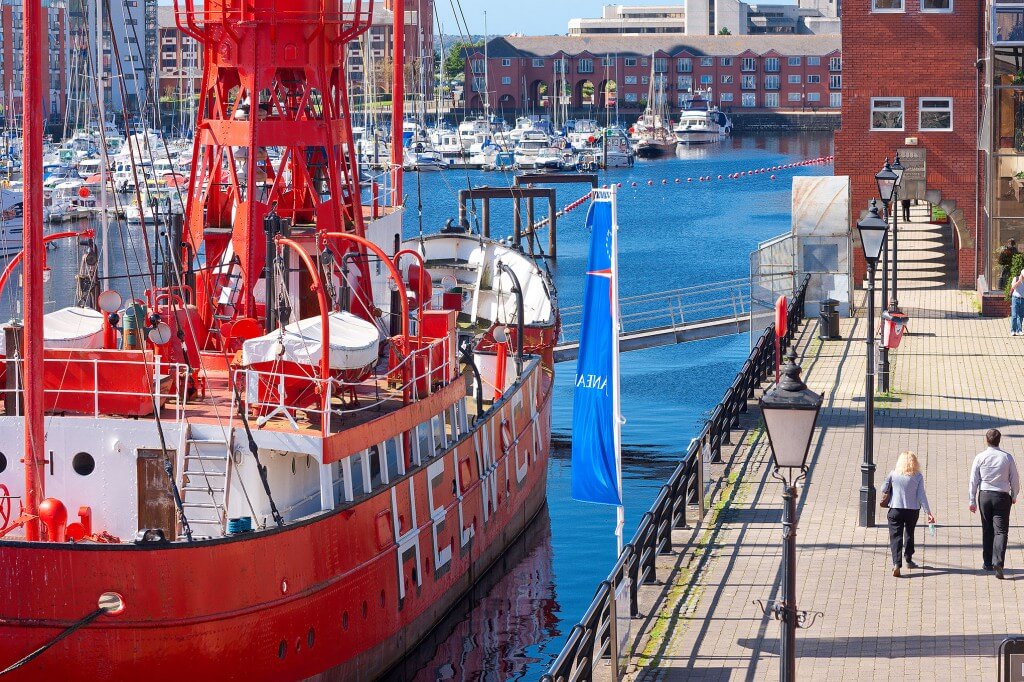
790 412
897 168
872 229
886 180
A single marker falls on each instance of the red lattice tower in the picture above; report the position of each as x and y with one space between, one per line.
273 77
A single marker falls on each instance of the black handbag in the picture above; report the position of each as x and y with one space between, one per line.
886 497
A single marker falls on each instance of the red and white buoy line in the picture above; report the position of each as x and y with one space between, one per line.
770 171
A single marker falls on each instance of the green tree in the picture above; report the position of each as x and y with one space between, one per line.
455 61
724 31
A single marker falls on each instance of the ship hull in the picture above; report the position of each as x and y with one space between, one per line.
341 595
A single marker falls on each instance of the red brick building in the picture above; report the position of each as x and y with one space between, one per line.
755 73
911 82
54 43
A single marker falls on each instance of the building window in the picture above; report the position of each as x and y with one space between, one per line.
506 62
561 65
771 82
794 79
538 63
726 79
835 100
477 65
684 83
748 64
707 61
607 61
887 113
813 78
705 80
478 85
771 65
886 5
585 66
506 80
726 97
835 82
771 99
1007 23
725 61
629 61
684 65
814 61
936 5
631 97
660 65
794 61
935 113
835 64
643 61
630 80
749 82
749 100
794 97
813 96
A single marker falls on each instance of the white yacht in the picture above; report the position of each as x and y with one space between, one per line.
701 122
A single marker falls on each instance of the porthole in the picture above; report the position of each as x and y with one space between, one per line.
3 463
344 621
310 636
298 644
282 649
83 463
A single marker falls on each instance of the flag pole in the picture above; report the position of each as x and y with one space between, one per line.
620 511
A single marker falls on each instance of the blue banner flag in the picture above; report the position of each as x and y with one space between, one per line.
595 468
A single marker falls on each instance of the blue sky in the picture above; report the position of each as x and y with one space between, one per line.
535 17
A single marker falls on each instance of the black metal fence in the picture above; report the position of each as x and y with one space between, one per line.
596 636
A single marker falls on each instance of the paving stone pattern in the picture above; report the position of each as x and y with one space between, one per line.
955 375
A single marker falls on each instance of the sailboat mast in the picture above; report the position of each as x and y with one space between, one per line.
104 170
487 68
398 98
32 150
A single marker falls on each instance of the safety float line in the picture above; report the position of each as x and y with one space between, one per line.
771 170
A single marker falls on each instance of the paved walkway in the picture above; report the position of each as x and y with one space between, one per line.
956 375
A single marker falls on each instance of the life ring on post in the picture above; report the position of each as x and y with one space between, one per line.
506 435
5 507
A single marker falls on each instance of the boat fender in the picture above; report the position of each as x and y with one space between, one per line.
54 516
506 436
5 507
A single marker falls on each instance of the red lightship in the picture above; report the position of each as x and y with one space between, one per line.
289 456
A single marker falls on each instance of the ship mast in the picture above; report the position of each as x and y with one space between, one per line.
32 144
398 98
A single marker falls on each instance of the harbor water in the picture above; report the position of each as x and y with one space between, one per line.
672 235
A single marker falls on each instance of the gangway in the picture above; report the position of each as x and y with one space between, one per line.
665 318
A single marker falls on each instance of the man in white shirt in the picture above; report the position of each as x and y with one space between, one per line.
994 486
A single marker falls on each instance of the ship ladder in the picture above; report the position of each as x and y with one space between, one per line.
205 478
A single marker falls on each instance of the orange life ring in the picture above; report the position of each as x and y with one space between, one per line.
5 507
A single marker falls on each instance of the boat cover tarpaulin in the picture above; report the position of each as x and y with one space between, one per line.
69 328
354 343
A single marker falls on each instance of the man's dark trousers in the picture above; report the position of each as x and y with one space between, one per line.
995 522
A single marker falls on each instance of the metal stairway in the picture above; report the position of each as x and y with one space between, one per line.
204 478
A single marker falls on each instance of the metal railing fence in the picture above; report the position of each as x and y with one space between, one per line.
595 636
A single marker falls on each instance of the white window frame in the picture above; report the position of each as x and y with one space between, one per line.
814 97
889 10
725 61
629 61
794 97
835 100
725 97
793 61
506 80
771 82
707 61
538 62
506 62
684 65
814 61
902 109
794 79
920 110
771 100
748 100
771 65
813 78
748 65
939 10
707 79
585 65
727 79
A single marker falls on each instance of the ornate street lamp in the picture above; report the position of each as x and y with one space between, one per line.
886 180
790 412
872 229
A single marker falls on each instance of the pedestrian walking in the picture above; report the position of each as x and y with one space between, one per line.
905 204
903 492
1017 305
994 486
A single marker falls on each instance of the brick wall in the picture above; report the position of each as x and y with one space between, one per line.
912 55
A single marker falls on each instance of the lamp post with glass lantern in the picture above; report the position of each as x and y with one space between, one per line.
897 168
790 412
886 181
872 229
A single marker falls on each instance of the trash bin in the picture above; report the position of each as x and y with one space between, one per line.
828 320
893 326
